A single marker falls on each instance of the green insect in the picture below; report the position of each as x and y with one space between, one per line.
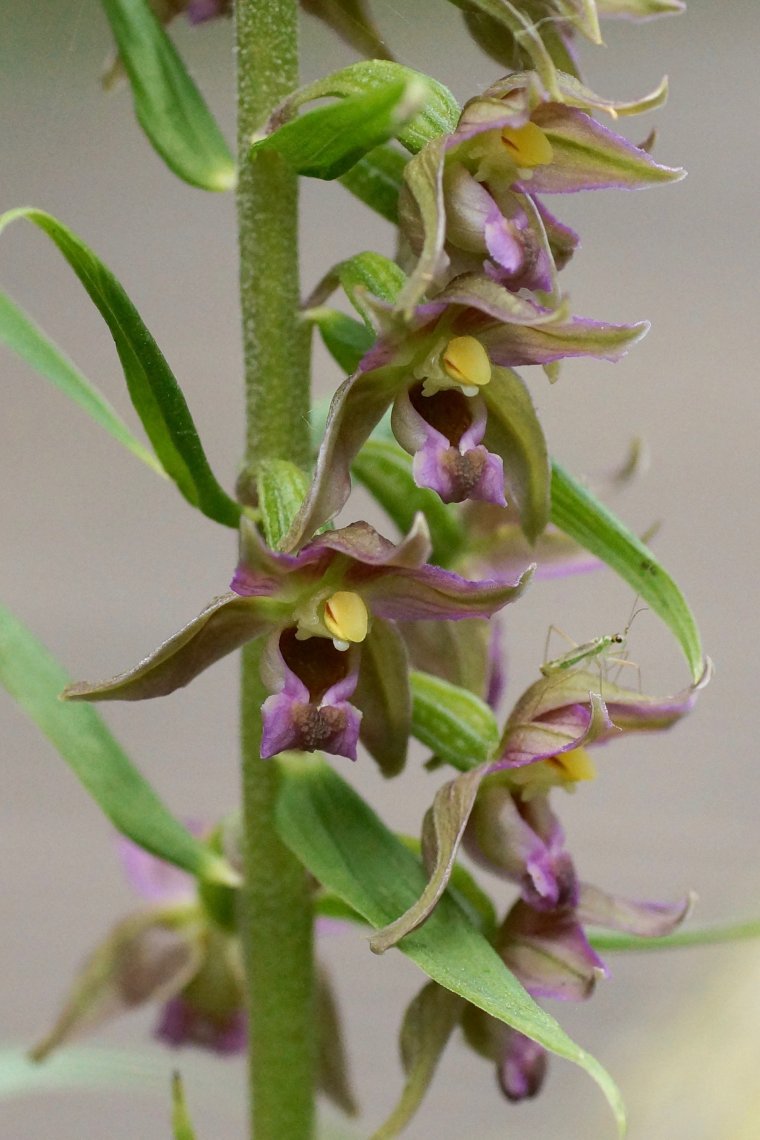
596 647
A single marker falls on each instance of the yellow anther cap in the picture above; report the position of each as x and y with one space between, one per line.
346 616
575 765
528 145
466 361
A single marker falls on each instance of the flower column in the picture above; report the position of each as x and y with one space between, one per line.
276 903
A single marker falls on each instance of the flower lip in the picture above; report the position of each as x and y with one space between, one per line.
315 661
449 411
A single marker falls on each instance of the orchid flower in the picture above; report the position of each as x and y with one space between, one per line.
328 614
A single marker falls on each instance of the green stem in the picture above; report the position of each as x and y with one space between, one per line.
276 902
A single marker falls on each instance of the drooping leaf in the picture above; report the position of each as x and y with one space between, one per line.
579 514
376 180
29 342
155 393
343 843
458 726
327 142
168 105
35 680
386 471
429 1021
333 1077
438 115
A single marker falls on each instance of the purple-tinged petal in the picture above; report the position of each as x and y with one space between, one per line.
430 592
497 668
563 241
515 344
525 843
588 156
549 953
181 1023
200 11
309 709
522 1069
575 706
151 877
548 735
362 543
646 919
149 956
226 624
499 547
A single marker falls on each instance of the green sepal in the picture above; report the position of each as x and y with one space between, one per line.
154 391
376 180
514 432
35 680
580 515
338 837
327 142
29 342
715 935
281 490
438 115
344 338
457 725
429 1021
386 472
182 1127
168 105
640 9
526 33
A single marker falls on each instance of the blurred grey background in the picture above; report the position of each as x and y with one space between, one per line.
103 560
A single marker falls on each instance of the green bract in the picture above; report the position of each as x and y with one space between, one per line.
171 110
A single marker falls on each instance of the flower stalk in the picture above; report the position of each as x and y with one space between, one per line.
276 902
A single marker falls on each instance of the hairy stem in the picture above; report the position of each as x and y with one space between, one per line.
276 904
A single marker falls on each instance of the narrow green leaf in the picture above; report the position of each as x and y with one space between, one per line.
181 1124
438 115
338 837
575 511
386 471
35 680
155 393
376 180
168 105
458 726
715 935
327 142
282 489
29 342
344 338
